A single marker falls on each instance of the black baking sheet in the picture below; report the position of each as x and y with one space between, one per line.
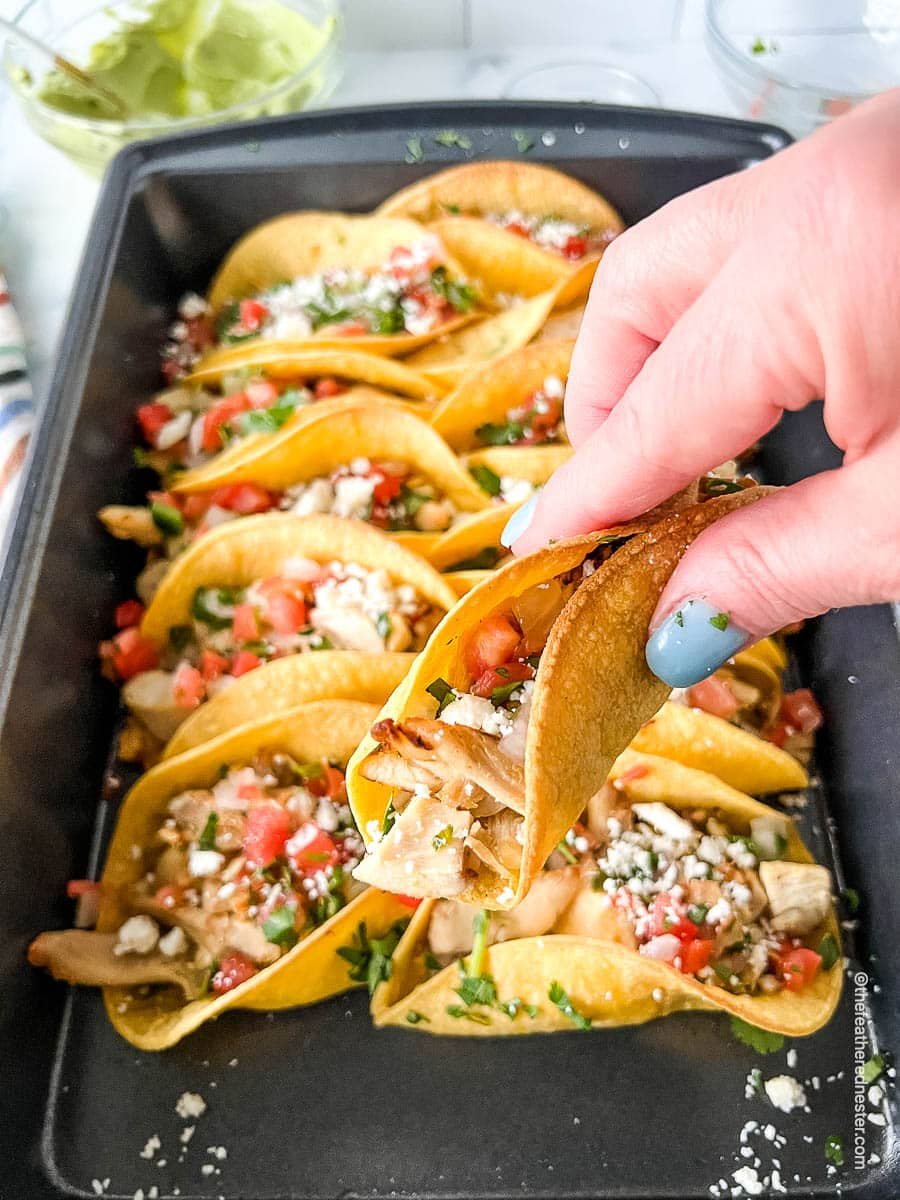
315 1103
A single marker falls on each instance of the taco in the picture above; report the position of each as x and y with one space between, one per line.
739 724
319 279
490 748
515 401
672 892
263 589
535 220
227 883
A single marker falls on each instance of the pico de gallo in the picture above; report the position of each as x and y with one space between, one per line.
309 607
184 427
536 421
675 886
412 293
458 778
569 239
234 877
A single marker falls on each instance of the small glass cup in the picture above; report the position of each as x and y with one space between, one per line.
582 80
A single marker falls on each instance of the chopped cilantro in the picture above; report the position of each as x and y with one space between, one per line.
722 487
279 927
442 838
453 209
390 816
462 296
523 142
306 771
167 518
477 989
872 1068
415 152
761 46
442 692
679 619
828 948
456 1010
370 958
565 851
141 457
383 626
561 999
760 1040
500 695
834 1149
487 480
850 897
484 560
413 1017
513 1007
270 420
452 137
756 1081
720 621
507 434
207 839
697 913
432 963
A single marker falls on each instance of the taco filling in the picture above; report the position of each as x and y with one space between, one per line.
185 427
234 630
679 888
536 421
412 293
235 876
458 778
505 489
569 239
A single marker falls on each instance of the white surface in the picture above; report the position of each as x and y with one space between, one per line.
46 202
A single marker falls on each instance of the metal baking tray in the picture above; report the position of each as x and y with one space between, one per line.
315 1103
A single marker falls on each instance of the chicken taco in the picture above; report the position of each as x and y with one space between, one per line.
540 220
228 881
489 750
264 589
672 892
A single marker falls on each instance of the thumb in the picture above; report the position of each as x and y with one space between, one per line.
827 542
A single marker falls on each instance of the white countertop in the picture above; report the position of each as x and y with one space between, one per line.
46 202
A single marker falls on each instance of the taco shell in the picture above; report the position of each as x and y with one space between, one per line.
608 983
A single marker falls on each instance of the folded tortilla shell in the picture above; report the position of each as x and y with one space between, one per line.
608 983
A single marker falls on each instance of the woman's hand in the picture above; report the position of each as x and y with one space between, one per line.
743 299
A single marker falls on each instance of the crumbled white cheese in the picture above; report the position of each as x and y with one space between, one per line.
190 1104
477 712
748 1179
203 863
785 1093
151 1146
665 819
174 942
138 935
514 491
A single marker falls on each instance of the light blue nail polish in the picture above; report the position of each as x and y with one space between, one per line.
518 522
692 642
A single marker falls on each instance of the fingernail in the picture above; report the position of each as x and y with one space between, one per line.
692 642
518 522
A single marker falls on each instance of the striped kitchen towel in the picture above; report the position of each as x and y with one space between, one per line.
16 407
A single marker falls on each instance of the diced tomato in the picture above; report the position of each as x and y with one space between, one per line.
518 228
249 791
169 896
663 948
575 247
151 418
201 332
695 955
330 783
81 887
188 686
251 314
496 677
172 371
129 612
234 969
327 387
668 916
311 849
267 829
492 644
797 967
801 711
387 487
222 413
243 498
244 623
543 424
714 696
261 394
212 665
286 612
130 653
638 771
195 507
408 901
244 662
351 329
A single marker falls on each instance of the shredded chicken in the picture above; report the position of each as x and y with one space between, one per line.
799 895
150 697
423 854
131 524
79 956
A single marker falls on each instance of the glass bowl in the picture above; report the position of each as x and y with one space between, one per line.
582 80
72 27
800 63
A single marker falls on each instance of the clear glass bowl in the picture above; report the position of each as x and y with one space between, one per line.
800 63
582 79
72 27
